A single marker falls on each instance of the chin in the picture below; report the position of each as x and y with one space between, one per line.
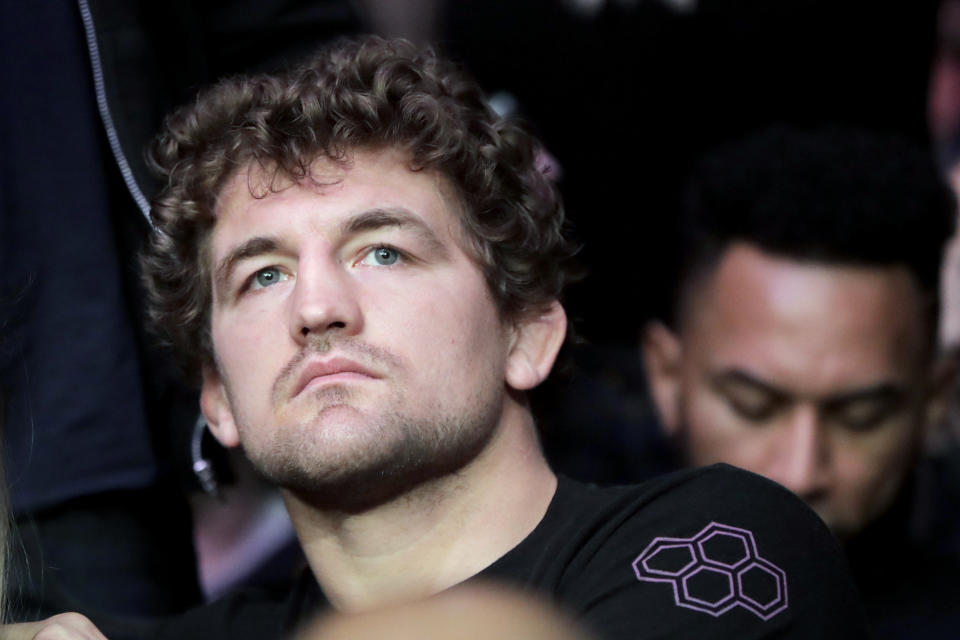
843 529
357 490
352 465
843 532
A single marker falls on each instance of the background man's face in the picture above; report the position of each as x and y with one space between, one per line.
812 375
357 342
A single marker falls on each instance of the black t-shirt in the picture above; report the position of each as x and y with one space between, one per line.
706 553
905 565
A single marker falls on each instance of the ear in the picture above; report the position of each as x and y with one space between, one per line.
534 346
216 408
944 375
662 356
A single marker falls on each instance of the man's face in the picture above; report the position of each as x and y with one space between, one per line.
357 344
812 375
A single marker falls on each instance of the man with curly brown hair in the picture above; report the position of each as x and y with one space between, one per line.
361 264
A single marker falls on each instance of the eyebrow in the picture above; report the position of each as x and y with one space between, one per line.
361 223
884 391
250 249
879 391
392 217
739 376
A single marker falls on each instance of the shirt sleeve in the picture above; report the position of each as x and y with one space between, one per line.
716 553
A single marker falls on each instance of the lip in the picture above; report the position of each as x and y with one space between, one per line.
332 370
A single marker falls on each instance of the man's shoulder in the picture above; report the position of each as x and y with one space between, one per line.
712 552
685 496
583 515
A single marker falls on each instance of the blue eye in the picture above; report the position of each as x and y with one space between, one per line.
383 256
267 277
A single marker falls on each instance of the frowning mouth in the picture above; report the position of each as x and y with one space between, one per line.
330 371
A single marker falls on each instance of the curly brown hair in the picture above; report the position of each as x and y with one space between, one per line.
362 93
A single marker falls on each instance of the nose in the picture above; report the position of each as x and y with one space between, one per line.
324 300
803 456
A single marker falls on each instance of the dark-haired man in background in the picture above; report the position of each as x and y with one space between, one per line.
803 343
361 265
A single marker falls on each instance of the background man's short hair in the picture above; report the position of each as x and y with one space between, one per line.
832 195
365 93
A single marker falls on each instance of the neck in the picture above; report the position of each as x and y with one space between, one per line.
436 535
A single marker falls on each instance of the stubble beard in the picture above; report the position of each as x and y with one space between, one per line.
354 467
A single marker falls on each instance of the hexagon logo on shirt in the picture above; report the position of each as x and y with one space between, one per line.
714 571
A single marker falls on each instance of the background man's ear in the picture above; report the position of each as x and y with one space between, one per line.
216 408
942 399
662 356
536 342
